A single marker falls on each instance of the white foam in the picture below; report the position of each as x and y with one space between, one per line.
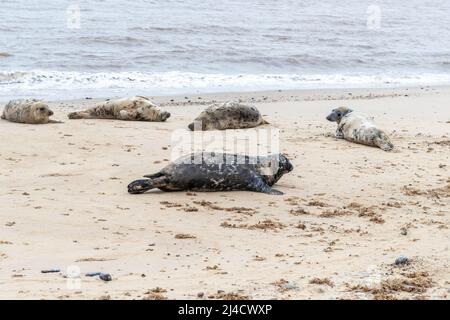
71 85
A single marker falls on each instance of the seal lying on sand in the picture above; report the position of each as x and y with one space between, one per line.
27 111
356 127
229 115
217 172
133 109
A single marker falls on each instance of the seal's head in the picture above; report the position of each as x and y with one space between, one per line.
40 112
337 114
283 166
165 115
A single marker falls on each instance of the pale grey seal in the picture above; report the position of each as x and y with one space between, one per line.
30 111
356 127
132 109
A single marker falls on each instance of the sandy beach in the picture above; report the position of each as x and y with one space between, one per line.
347 213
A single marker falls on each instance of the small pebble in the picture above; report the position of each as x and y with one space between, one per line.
105 276
93 274
51 271
401 261
289 286
200 295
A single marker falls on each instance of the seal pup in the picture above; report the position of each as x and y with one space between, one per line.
29 111
228 115
356 127
133 109
203 171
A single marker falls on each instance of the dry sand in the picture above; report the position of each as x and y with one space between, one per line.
348 210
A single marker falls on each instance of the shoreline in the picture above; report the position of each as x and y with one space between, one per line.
266 96
320 91
347 213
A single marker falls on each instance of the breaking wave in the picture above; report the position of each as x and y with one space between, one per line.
71 85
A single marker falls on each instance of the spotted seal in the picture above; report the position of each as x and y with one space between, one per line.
356 127
133 108
30 111
228 115
217 172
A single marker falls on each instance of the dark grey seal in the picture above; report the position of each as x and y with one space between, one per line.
217 172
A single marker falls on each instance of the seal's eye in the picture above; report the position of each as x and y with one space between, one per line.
338 114
41 109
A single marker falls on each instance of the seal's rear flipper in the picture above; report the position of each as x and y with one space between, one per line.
74 115
383 143
80 115
143 185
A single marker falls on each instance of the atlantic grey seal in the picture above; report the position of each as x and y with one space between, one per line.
132 109
228 115
356 127
30 111
217 172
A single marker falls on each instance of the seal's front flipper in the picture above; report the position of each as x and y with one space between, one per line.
339 133
128 115
275 192
267 189
143 185
258 185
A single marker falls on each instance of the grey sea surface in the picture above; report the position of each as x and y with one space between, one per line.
71 49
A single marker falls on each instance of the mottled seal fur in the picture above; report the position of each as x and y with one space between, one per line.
133 109
30 111
228 115
356 127
217 172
